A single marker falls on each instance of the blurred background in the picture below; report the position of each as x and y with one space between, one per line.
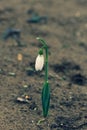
63 24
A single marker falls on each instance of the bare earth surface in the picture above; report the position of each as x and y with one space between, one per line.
63 24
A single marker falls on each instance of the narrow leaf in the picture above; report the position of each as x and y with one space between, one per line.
45 99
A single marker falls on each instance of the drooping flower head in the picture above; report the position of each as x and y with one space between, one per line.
39 63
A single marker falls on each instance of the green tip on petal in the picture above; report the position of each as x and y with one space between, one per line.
41 52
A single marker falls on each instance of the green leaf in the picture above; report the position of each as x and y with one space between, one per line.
45 99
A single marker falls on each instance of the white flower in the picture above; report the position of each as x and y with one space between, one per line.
39 63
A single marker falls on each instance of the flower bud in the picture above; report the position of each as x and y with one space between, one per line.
39 63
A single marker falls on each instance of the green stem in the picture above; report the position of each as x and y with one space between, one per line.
46 65
42 41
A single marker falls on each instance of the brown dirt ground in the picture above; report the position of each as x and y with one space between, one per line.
64 27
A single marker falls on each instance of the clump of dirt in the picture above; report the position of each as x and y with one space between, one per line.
78 79
65 67
71 71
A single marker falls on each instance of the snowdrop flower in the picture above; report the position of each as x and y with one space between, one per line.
39 63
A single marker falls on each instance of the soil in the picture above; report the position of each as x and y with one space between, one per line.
63 24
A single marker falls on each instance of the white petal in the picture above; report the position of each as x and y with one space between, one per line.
39 62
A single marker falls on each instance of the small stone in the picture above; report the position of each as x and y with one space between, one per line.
29 71
25 86
11 74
